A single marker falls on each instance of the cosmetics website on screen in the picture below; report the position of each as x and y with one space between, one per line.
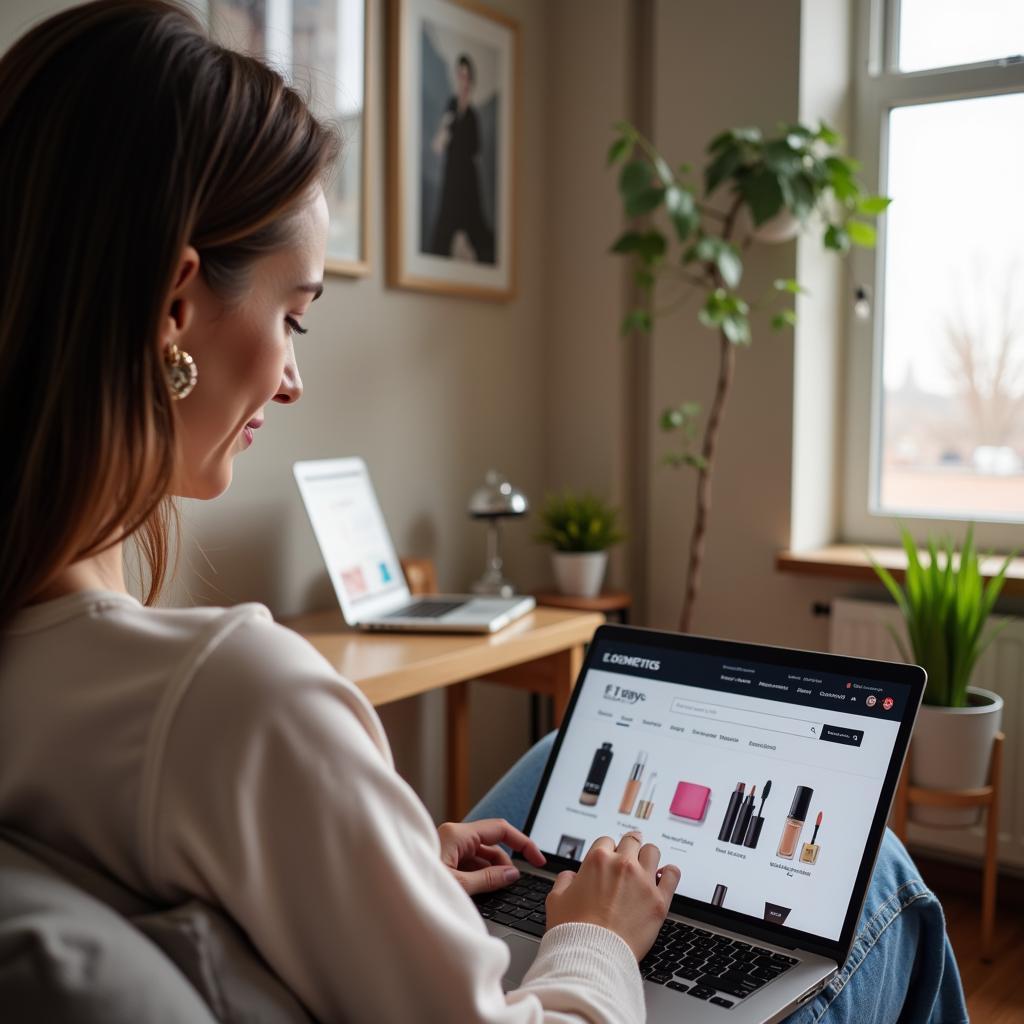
759 781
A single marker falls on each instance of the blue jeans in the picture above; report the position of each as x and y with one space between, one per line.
901 967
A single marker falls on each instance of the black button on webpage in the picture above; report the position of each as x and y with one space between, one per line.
841 734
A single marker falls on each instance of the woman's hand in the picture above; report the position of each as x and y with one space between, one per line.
618 887
468 850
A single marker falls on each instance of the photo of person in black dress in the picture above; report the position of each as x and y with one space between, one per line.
457 139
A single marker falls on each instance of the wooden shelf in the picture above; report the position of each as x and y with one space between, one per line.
850 562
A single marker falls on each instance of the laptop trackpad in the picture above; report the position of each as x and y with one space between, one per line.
524 952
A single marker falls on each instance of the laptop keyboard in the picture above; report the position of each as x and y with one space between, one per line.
424 610
685 958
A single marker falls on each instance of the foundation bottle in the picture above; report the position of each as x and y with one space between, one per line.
595 777
633 784
795 822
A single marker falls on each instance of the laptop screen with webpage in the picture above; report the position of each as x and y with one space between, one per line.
761 777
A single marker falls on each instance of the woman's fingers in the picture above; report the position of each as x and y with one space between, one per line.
486 879
498 830
630 843
668 882
562 882
649 856
493 855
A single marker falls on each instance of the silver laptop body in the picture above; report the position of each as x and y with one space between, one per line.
659 726
364 569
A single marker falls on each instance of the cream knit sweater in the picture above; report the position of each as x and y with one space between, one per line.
210 752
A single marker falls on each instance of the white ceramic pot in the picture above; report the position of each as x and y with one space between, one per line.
783 227
951 749
579 574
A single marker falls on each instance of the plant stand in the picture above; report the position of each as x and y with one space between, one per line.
984 796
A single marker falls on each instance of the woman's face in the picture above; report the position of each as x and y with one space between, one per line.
243 352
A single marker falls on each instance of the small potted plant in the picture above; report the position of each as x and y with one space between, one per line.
945 606
581 528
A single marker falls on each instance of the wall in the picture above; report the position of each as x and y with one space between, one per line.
432 391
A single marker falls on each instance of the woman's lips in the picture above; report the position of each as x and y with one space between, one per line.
250 429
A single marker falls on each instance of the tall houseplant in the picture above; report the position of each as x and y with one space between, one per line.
755 189
946 605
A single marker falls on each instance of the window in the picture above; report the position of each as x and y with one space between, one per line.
935 401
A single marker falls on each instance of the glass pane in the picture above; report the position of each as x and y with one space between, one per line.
952 421
945 33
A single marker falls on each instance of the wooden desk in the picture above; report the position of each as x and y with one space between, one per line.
542 653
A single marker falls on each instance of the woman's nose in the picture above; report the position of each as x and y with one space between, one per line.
290 389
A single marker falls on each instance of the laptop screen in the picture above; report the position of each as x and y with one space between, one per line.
350 529
759 779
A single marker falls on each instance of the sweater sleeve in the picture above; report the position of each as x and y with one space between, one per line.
275 798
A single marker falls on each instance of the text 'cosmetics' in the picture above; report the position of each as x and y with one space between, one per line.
595 777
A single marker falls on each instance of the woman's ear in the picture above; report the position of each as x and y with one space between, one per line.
181 307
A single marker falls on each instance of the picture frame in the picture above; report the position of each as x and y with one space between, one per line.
453 89
322 48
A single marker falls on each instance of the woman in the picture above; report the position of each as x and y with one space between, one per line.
164 232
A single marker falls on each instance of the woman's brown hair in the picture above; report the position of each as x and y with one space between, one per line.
125 134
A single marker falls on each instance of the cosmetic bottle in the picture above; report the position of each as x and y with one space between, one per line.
725 832
795 822
633 785
719 897
595 777
646 804
739 832
809 854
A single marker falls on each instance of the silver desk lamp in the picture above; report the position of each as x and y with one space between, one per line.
496 500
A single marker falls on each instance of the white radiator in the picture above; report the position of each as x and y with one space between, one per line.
860 628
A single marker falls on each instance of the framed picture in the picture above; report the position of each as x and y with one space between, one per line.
321 47
453 90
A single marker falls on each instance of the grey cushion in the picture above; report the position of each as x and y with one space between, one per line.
65 957
45 894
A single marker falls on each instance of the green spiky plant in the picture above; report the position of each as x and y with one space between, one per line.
579 522
697 241
945 605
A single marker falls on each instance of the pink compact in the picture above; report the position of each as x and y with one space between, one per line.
690 801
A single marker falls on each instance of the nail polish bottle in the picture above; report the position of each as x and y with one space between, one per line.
646 804
595 777
810 851
633 784
795 822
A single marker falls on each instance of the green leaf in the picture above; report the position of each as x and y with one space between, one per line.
644 278
648 245
725 164
788 284
736 328
637 320
682 209
634 177
837 238
872 206
729 264
618 149
781 158
639 203
672 419
861 233
663 169
828 136
763 194
631 241
783 319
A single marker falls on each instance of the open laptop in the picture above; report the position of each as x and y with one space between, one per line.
364 568
765 774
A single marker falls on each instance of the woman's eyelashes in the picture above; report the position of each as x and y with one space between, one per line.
294 326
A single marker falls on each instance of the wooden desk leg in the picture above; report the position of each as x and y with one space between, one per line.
991 873
457 720
566 667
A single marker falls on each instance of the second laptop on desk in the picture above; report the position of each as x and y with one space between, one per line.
364 569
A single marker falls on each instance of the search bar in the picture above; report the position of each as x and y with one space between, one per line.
724 714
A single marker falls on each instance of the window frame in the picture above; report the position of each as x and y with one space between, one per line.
879 87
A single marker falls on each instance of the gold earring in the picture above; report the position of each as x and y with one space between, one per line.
182 372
